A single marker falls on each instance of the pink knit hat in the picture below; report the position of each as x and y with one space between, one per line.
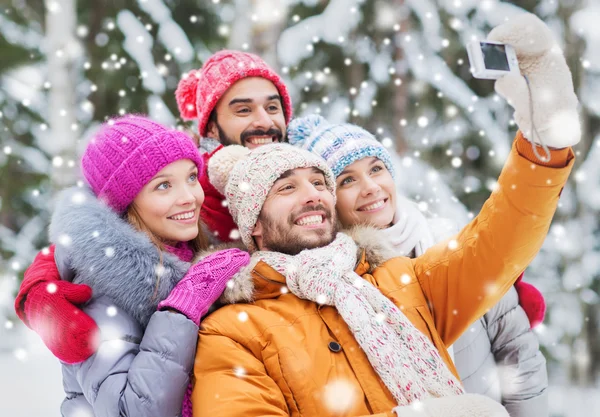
127 152
199 90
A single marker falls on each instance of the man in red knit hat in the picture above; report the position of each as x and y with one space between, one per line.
237 99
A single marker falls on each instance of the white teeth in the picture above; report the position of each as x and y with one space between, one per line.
184 216
373 206
310 220
261 141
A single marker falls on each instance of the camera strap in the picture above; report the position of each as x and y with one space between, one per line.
534 129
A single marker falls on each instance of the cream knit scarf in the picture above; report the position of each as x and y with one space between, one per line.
406 360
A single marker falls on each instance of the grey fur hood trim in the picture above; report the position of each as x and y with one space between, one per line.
108 254
377 251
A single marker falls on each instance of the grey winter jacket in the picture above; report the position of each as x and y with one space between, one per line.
499 356
144 357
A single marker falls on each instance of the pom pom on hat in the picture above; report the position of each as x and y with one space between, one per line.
301 128
186 95
221 164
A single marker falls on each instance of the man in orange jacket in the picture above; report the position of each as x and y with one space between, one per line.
315 327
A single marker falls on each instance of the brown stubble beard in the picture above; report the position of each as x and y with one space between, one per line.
276 239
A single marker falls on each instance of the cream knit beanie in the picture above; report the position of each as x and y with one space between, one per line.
245 178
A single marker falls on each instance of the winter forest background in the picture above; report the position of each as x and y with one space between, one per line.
398 67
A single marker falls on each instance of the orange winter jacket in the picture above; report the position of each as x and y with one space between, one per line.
283 356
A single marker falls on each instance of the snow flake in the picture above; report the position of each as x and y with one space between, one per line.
322 299
9 324
109 252
244 186
452 244
405 279
239 371
111 311
380 317
456 162
20 354
418 406
340 396
65 240
57 161
243 316
358 282
422 121
78 198
51 288
580 176
159 269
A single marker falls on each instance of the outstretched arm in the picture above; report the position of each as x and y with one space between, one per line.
507 234
496 246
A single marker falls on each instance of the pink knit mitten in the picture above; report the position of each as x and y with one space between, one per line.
204 283
532 301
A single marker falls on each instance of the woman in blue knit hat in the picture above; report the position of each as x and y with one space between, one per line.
499 356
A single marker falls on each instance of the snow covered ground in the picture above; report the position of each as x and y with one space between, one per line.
30 382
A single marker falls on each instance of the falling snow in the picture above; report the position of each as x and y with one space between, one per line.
443 113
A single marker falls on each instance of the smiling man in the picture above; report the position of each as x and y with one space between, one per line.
321 325
237 99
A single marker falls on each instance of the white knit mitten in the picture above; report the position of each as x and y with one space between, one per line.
555 119
466 405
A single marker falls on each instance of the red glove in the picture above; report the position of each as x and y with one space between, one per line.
45 304
214 214
532 301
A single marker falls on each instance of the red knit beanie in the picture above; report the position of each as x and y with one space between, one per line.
199 90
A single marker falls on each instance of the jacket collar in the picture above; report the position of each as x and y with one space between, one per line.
258 280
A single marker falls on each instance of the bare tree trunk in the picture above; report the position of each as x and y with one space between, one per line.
400 102
241 27
62 50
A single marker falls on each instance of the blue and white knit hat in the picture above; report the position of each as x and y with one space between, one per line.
340 145
245 178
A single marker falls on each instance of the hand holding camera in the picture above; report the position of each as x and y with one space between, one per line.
542 94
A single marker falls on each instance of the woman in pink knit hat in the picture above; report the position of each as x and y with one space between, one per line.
130 237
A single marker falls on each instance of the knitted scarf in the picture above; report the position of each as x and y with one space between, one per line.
406 361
